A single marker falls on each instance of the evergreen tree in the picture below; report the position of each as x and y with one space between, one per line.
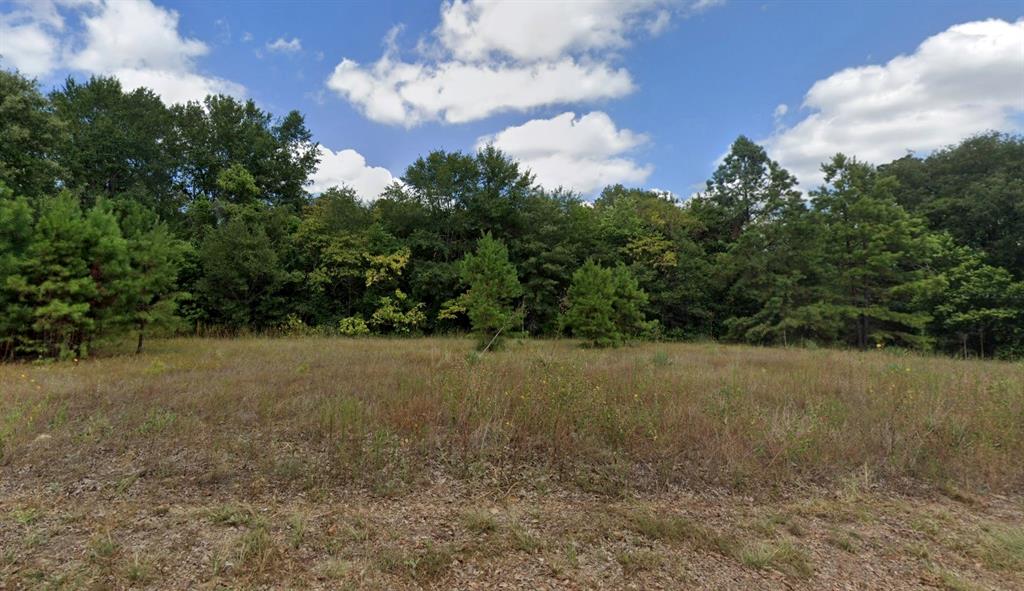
604 305
16 235
873 254
747 186
71 278
151 288
773 270
493 287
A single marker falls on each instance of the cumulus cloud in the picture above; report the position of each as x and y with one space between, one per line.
581 153
491 57
408 94
478 30
27 47
28 40
964 80
348 168
138 42
285 46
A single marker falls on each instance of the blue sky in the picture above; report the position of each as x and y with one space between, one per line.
657 89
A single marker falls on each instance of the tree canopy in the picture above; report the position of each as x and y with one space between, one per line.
119 214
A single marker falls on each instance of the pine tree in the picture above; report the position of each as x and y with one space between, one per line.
873 252
151 289
605 305
72 277
16 228
493 287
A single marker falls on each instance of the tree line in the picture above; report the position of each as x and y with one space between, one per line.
119 214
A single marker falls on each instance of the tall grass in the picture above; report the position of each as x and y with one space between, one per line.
387 412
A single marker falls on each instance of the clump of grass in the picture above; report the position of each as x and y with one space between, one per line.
951 581
256 548
480 522
140 569
1003 548
157 421
636 560
675 528
336 569
782 555
232 515
842 539
297 525
523 540
26 516
423 565
102 549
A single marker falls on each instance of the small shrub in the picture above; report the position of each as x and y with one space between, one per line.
353 326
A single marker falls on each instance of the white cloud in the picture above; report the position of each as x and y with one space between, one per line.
27 47
478 30
348 167
965 80
176 86
409 94
780 111
281 45
28 38
491 57
584 153
139 43
136 41
660 22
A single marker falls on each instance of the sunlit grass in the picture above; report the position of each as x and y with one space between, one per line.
386 413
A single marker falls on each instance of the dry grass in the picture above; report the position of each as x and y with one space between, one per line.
284 461
384 413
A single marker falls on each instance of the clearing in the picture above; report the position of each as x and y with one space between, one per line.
412 463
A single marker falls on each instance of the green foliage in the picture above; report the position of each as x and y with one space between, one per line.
493 287
118 142
398 314
243 280
222 133
156 257
974 191
65 276
119 213
353 326
873 259
605 305
29 136
975 306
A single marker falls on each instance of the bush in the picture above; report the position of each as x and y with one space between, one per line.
353 326
605 305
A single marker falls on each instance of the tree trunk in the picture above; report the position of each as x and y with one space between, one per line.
138 348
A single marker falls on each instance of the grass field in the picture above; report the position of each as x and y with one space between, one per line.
375 463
